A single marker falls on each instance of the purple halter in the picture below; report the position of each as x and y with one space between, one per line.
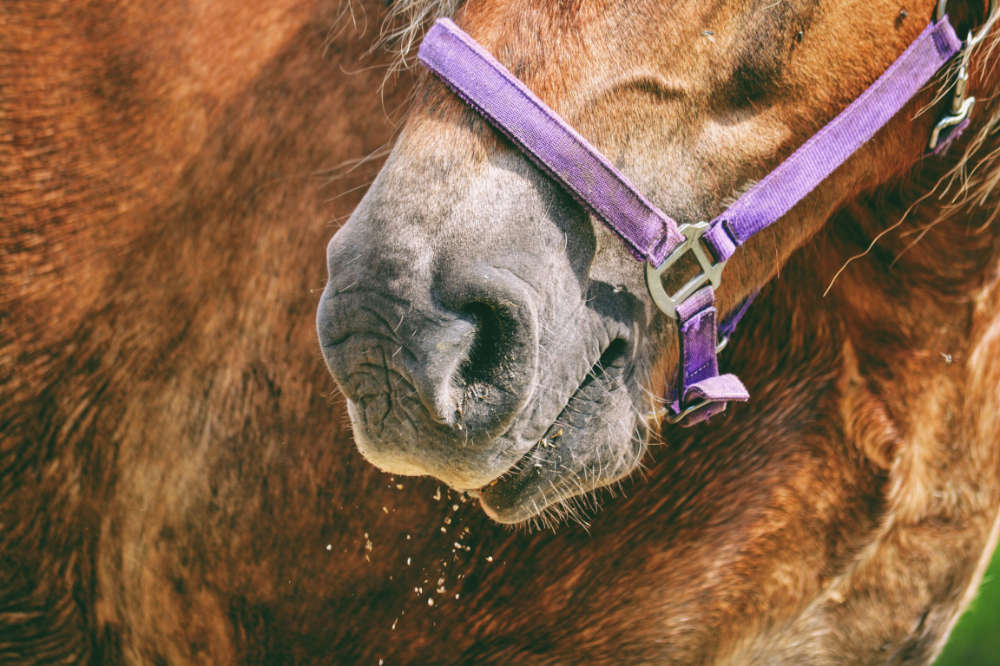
503 100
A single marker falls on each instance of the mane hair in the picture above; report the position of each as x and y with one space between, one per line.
974 180
405 24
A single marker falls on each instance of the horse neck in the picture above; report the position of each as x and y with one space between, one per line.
909 278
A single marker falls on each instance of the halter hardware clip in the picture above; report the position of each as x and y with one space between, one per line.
709 270
961 105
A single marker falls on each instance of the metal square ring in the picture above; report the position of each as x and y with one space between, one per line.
709 272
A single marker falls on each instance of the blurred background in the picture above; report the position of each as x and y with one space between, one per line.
976 639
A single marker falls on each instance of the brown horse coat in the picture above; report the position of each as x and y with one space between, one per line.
175 486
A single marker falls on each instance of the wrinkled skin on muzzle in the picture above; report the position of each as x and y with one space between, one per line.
481 327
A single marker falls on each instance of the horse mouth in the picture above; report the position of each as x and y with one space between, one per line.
595 440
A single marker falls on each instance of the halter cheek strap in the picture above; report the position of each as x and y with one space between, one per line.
650 234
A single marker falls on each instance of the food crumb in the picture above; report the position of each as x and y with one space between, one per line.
408 560
430 601
329 546
385 510
399 486
489 558
437 494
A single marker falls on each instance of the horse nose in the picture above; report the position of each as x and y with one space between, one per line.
459 339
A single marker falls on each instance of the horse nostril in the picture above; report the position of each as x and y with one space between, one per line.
486 356
489 379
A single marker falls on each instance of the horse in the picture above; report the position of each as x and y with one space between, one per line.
179 478
486 332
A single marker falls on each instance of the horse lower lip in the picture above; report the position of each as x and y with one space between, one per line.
499 498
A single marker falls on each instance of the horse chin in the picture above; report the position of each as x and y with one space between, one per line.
597 439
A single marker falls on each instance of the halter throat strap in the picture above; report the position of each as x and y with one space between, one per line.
650 234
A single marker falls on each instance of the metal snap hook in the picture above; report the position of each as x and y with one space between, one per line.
961 104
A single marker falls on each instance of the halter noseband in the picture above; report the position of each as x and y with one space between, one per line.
651 235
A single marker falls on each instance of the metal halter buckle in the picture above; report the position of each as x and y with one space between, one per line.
710 272
961 105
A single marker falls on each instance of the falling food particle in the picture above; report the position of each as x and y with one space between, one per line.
430 601
381 661
399 486
394 623
456 596
454 507
329 546
489 558
447 520
408 537
385 510
443 530
408 560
